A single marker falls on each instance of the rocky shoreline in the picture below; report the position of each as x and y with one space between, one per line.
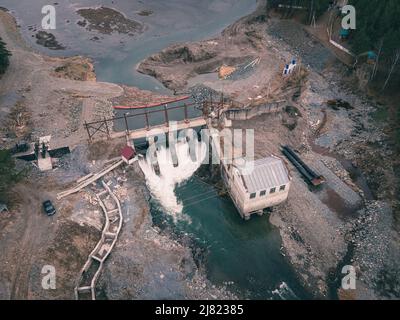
148 262
176 64
316 240
321 231
108 20
64 91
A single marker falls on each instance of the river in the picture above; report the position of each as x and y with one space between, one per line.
245 256
117 55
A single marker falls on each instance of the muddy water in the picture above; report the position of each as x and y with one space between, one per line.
117 55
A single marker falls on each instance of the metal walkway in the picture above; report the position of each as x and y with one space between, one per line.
163 128
139 120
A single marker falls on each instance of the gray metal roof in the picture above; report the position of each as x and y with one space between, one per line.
268 173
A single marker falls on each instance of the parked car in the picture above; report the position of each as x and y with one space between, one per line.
49 208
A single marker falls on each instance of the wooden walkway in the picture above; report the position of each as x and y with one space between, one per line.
86 286
85 181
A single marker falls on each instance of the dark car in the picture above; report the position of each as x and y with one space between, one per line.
49 208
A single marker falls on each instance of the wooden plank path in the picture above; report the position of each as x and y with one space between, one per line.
85 181
86 286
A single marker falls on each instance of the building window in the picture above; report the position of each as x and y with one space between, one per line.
252 195
272 190
262 193
282 188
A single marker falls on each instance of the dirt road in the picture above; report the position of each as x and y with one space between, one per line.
30 232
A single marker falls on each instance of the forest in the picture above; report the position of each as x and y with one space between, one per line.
377 30
377 24
9 175
4 57
376 21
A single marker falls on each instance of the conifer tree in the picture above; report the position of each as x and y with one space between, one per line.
4 57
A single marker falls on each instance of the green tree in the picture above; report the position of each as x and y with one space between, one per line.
362 41
9 175
378 29
4 57
377 21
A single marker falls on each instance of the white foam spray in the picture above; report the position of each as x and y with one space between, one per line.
284 292
162 185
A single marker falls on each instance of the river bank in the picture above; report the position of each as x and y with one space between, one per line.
147 257
322 230
116 54
55 96
316 226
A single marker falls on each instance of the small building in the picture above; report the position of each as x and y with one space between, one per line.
264 185
127 154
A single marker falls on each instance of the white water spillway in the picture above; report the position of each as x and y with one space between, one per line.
173 170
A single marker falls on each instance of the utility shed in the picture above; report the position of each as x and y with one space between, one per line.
256 186
127 154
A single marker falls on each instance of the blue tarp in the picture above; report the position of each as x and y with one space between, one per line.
371 55
344 32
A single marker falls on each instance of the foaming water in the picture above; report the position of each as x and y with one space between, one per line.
284 292
243 256
173 171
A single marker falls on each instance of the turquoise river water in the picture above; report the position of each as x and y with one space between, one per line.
245 256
